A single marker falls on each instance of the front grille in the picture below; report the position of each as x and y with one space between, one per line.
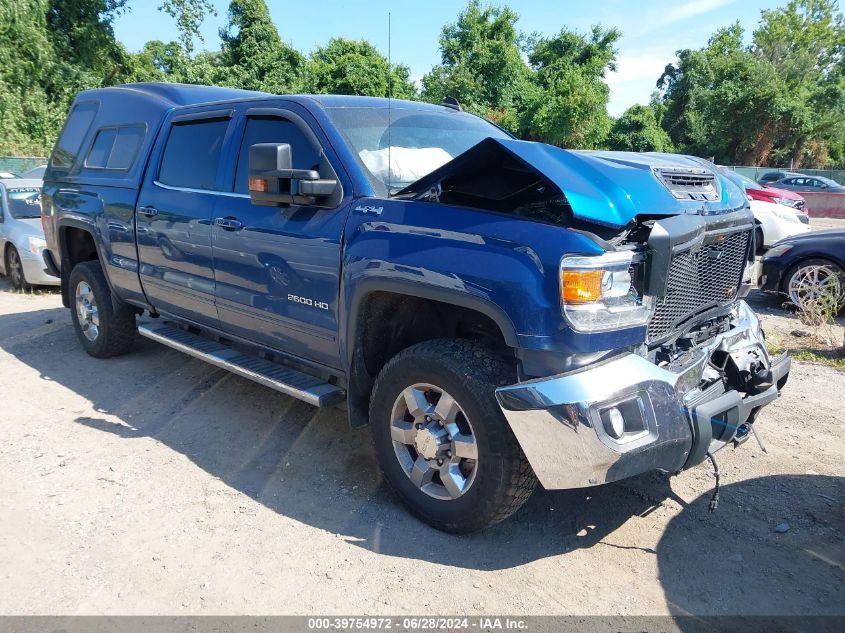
689 183
700 279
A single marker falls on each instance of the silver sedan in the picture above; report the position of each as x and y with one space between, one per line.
21 234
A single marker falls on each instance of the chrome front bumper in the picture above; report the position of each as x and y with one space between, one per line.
558 420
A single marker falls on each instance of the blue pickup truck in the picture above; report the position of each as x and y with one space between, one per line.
497 311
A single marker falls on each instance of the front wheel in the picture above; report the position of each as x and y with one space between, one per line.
14 268
104 327
812 280
441 440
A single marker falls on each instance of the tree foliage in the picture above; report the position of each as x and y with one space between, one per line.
253 55
355 67
776 95
570 106
778 100
638 130
481 64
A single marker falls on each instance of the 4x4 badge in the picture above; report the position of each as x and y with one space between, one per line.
367 208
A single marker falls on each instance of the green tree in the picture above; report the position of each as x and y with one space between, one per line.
355 67
253 55
189 14
638 130
780 100
570 108
481 65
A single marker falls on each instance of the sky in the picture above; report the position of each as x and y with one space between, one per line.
652 30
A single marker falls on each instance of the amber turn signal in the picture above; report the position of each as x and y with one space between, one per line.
581 286
258 184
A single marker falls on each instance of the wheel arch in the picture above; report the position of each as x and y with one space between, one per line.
370 341
77 243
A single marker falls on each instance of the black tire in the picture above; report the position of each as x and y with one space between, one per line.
116 323
807 263
14 269
758 240
503 479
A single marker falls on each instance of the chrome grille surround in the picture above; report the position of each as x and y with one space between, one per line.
690 183
700 278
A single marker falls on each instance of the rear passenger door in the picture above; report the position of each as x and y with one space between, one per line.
174 212
277 270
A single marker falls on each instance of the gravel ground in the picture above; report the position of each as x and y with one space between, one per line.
157 484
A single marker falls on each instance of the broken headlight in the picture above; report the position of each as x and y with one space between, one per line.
598 293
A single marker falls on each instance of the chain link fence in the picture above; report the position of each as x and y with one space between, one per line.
20 164
755 172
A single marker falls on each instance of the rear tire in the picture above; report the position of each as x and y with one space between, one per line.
462 469
14 269
104 328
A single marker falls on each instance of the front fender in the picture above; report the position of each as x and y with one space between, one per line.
501 266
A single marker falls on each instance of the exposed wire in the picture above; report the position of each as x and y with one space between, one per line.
714 499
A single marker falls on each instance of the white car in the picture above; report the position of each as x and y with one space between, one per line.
21 234
775 222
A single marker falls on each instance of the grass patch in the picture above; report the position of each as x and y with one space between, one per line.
800 348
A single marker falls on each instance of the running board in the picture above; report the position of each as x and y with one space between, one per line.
284 379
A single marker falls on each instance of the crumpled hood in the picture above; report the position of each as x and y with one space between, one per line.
608 188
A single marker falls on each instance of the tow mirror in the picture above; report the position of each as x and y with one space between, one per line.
274 182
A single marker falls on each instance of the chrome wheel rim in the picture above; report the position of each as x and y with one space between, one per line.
15 268
86 310
434 441
811 283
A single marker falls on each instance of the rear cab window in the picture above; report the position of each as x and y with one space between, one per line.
191 155
115 148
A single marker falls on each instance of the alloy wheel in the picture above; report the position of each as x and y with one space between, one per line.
811 283
434 441
86 310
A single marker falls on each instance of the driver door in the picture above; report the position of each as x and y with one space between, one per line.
277 269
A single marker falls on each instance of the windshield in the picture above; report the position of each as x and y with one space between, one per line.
25 203
418 141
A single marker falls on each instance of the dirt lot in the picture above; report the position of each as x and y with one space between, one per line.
154 483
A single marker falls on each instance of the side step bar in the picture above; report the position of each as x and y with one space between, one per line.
284 379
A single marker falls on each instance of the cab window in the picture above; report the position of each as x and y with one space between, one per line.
274 130
192 154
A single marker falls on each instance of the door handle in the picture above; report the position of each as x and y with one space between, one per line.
228 224
148 211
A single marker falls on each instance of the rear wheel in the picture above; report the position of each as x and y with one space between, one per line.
105 328
442 442
14 268
812 279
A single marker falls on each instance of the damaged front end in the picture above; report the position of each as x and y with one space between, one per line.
630 415
678 254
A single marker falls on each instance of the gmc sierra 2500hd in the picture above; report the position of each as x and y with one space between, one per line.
498 311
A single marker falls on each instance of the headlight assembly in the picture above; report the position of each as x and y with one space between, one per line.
597 293
36 245
777 250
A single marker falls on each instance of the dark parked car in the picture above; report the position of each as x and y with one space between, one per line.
809 184
767 193
805 266
772 176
